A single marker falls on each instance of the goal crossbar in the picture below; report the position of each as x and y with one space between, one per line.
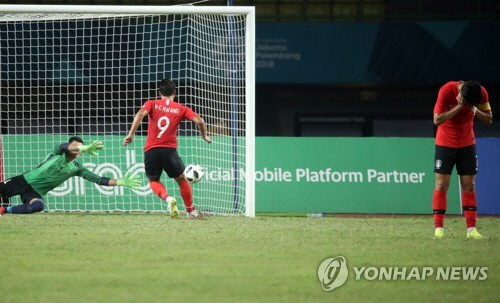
126 9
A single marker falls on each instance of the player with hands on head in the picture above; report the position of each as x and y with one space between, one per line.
458 103
58 166
160 150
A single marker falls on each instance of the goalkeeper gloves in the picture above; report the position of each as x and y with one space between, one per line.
129 181
91 148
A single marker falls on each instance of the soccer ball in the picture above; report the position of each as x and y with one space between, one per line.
194 173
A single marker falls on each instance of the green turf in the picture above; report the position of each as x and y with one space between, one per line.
149 258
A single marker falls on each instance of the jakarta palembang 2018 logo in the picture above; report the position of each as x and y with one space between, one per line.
332 273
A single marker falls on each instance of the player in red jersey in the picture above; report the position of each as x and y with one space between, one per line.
457 104
160 151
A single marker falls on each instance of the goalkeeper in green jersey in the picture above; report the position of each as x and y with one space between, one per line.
59 166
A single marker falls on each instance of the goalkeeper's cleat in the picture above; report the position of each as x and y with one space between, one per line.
473 234
2 210
438 233
194 215
174 212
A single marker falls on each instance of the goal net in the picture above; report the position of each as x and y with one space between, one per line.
86 70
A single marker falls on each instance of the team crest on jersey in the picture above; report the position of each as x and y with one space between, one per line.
438 164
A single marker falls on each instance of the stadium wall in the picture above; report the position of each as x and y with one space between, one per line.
363 175
293 174
286 52
424 52
347 175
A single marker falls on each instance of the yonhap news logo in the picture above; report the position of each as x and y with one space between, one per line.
333 273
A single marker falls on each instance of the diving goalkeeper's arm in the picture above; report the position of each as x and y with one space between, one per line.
92 148
128 180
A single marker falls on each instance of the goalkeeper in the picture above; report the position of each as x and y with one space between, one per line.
59 166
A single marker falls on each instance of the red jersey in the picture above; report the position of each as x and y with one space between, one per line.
458 131
165 115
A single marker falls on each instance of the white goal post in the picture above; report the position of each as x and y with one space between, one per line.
82 70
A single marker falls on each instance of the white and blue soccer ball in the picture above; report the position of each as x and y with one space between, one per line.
194 173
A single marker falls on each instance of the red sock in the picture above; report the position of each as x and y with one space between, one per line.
439 207
469 206
159 189
187 195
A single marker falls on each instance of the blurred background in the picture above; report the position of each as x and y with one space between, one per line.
362 68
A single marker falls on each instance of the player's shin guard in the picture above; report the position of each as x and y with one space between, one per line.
159 189
33 207
469 207
187 195
439 204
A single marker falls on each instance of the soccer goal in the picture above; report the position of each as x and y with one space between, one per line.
86 70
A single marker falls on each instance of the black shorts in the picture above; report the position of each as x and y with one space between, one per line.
18 186
157 160
465 158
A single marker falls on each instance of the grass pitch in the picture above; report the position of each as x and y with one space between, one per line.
150 258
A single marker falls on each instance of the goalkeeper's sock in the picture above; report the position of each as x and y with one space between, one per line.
187 195
439 207
33 207
159 189
469 208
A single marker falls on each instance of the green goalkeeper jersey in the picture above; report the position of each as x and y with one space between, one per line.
55 170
